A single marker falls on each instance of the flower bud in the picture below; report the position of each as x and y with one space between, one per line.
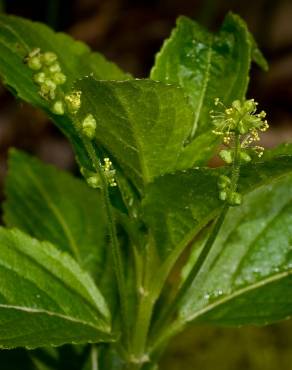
245 157
59 78
49 58
48 89
234 199
222 195
93 181
89 126
223 182
58 108
55 67
39 77
34 62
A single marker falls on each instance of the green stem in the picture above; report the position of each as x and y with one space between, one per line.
144 315
117 257
169 312
94 357
147 299
235 165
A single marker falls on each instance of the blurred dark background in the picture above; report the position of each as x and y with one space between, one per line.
130 32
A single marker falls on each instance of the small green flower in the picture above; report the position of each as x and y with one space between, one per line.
73 101
109 172
241 118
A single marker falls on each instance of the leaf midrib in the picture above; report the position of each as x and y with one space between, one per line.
204 87
49 313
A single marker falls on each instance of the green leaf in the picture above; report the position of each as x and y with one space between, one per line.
67 213
45 298
143 124
179 205
18 37
207 66
52 205
248 274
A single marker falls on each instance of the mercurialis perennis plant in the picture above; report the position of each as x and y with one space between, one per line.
87 261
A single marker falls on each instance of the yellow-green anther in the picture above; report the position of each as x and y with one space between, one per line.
226 155
58 108
59 78
49 58
89 126
55 68
34 62
39 78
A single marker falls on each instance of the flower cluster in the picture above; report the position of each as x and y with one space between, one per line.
109 172
225 192
239 126
48 76
93 179
240 119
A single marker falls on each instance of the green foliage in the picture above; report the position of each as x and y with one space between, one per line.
52 300
207 66
176 216
132 117
74 219
95 265
253 253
